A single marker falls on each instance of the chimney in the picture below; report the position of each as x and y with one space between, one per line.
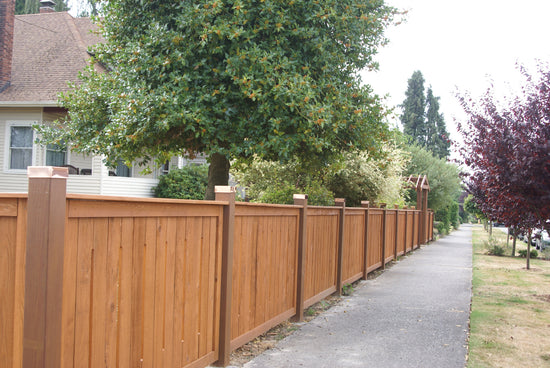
7 18
47 6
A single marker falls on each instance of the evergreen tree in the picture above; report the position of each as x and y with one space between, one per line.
413 109
33 6
432 114
421 119
437 135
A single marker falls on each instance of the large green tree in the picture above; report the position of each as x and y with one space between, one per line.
230 79
421 119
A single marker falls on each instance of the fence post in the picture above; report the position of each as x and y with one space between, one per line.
366 205
396 207
340 202
46 209
301 200
384 238
226 194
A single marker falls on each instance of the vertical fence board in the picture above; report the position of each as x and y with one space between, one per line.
125 294
170 314
179 293
161 266
99 284
8 251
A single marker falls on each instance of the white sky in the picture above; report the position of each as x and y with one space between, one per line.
461 45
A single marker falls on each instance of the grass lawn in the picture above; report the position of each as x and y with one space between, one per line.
510 318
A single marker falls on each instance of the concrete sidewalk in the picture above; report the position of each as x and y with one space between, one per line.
413 315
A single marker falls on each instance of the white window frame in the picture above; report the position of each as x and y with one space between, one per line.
7 143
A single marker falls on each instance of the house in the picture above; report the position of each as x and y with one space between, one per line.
39 54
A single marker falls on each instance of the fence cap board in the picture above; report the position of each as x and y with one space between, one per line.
47 172
105 198
14 195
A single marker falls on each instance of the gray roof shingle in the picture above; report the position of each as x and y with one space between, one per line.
49 50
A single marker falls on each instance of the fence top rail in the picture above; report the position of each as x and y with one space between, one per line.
104 198
270 205
14 195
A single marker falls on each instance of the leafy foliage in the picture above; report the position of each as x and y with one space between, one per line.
471 207
188 182
359 176
355 176
273 182
532 254
444 178
507 150
234 78
496 250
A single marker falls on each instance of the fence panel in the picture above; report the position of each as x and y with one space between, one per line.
13 216
410 230
141 284
401 232
375 239
321 253
390 235
354 245
265 257
416 231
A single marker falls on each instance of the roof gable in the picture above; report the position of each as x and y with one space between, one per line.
49 49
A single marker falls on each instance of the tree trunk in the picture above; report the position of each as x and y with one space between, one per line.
218 174
514 243
528 248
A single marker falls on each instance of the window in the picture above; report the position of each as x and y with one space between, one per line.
122 169
165 169
55 155
21 143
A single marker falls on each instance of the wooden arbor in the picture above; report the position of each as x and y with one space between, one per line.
422 186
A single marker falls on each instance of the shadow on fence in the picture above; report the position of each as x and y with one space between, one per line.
126 282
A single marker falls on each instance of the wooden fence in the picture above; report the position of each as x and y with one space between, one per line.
89 281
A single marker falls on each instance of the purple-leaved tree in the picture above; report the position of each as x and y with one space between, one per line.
507 151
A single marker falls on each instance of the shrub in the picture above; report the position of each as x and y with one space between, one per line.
496 250
273 182
533 254
441 227
188 182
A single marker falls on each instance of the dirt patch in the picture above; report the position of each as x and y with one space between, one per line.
544 298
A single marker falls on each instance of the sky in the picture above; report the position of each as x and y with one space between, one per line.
460 46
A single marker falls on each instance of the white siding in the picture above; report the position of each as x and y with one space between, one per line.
13 183
84 184
128 187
